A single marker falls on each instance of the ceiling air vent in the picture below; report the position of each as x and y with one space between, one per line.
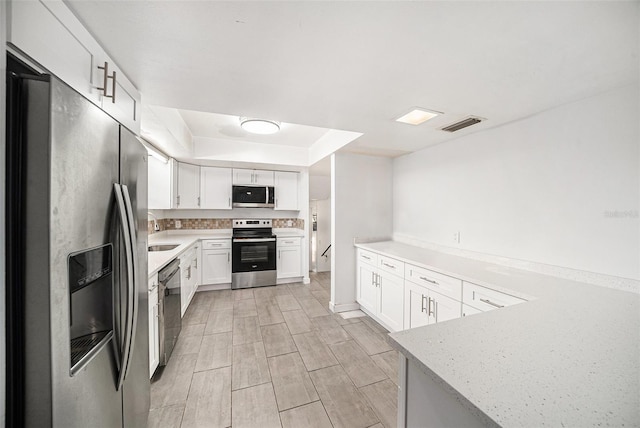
471 120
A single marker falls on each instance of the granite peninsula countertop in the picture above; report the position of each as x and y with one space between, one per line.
569 356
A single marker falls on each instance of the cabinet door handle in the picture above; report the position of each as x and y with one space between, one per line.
105 80
429 311
113 88
423 307
196 260
228 256
429 280
198 200
229 202
178 200
189 272
489 302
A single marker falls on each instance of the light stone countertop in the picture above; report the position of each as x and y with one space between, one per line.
570 356
185 238
288 232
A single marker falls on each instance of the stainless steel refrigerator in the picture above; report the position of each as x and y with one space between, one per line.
77 338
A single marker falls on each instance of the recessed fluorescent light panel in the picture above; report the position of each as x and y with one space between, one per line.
417 116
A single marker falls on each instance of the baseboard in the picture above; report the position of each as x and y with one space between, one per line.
214 287
343 307
289 280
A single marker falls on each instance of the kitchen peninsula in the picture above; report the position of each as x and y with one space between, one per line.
569 356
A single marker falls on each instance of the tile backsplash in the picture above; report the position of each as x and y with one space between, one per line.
217 223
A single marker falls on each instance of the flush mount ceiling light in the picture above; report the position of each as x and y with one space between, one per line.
259 126
418 116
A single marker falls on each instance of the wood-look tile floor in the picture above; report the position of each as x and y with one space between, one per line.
276 357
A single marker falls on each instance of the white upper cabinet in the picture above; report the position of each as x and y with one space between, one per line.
123 100
160 184
188 184
49 33
263 177
286 188
215 188
252 177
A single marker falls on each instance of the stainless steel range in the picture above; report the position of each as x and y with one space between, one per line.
254 254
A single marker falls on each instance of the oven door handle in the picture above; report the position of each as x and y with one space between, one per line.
255 240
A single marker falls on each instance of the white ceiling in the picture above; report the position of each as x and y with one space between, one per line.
213 125
356 66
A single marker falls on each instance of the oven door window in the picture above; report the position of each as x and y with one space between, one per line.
254 256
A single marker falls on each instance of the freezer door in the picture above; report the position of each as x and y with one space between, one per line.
133 175
83 150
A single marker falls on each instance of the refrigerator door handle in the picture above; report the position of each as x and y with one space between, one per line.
135 268
126 343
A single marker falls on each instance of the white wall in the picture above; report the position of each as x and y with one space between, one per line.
544 189
319 187
218 149
323 234
361 197
321 238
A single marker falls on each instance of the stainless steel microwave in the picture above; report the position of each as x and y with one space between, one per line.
253 196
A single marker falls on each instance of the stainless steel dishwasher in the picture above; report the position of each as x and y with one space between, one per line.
169 319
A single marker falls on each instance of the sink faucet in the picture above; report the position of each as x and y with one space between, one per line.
155 220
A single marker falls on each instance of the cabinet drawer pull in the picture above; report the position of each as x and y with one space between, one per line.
489 302
388 265
287 242
428 280
366 257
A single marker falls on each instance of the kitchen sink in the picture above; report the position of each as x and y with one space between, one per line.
165 247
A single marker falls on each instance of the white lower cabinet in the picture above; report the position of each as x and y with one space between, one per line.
367 287
403 295
425 306
188 277
289 260
469 310
415 304
391 300
154 334
380 292
485 299
216 261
